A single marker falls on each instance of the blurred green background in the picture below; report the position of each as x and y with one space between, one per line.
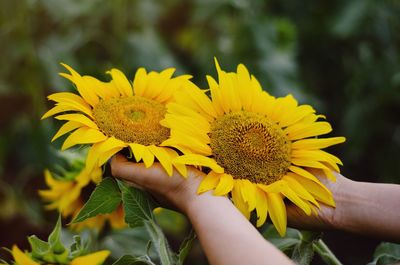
343 57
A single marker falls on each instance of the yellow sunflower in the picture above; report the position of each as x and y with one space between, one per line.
258 147
96 258
65 195
117 114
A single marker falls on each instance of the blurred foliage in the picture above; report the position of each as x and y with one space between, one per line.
343 57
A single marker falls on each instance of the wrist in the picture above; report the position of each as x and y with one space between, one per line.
347 195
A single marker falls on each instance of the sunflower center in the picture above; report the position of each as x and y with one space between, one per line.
250 146
132 120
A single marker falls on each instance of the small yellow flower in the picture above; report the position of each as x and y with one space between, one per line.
96 258
65 196
22 258
258 147
118 114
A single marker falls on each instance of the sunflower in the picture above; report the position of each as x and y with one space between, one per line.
65 195
113 115
96 258
258 148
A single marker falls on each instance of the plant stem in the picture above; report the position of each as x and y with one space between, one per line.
325 253
160 242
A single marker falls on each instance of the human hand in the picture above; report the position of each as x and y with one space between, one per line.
174 191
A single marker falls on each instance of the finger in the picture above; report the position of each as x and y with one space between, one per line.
135 172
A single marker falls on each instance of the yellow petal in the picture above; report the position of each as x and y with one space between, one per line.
83 88
83 135
303 130
209 182
317 189
121 82
187 126
69 97
292 196
261 207
93 156
308 163
53 111
283 105
104 90
277 212
248 190
317 155
225 185
199 160
96 258
299 189
66 128
163 158
179 167
78 118
156 82
294 115
188 141
238 200
140 81
216 96
244 85
304 173
141 152
21 258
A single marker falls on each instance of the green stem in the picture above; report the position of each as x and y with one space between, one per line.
325 253
160 242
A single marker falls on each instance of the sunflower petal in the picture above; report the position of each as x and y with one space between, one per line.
199 160
22 258
292 196
163 158
261 207
277 212
83 135
238 200
209 182
179 167
304 130
300 190
86 91
66 128
78 118
225 185
96 258
317 143
121 82
140 81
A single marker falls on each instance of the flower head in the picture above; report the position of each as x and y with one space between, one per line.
24 258
258 147
65 196
113 115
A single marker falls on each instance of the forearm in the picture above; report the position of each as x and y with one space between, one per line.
226 235
369 209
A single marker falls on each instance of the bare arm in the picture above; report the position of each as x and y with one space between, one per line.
225 235
371 209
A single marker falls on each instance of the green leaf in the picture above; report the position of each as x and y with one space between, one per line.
186 246
386 253
55 238
129 260
39 247
286 243
104 199
138 205
303 253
